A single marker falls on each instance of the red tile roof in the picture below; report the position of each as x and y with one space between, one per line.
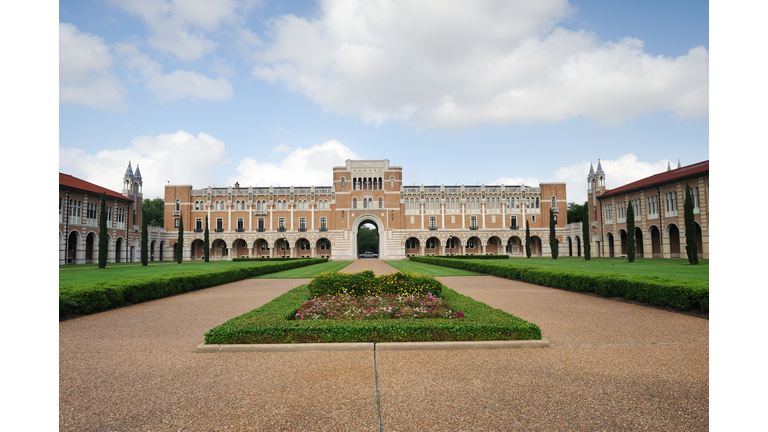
67 180
666 176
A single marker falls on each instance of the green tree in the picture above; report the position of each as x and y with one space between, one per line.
585 231
367 240
527 240
103 235
575 212
206 242
180 241
552 236
144 239
631 247
154 211
690 228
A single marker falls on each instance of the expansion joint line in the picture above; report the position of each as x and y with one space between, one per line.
376 377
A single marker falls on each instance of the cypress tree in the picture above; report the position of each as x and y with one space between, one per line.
690 228
527 240
206 242
180 241
552 238
585 232
144 238
631 247
103 235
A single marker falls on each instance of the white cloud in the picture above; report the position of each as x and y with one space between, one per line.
176 85
457 63
301 167
178 158
180 27
85 70
619 172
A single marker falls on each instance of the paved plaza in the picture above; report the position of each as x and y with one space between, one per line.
611 366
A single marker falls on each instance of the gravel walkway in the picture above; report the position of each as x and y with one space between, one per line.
612 366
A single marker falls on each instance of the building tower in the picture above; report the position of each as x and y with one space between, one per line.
595 188
132 188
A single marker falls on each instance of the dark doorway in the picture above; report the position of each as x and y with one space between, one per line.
368 240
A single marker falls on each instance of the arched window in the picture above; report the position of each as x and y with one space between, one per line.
381 203
178 204
553 200
354 203
342 182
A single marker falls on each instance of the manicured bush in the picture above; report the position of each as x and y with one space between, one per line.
273 323
680 294
366 283
476 257
277 259
88 298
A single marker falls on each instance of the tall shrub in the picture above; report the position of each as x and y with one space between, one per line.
631 247
690 228
552 238
180 241
527 240
144 239
103 235
206 242
585 232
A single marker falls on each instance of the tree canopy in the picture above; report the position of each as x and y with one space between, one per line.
154 210
575 212
367 239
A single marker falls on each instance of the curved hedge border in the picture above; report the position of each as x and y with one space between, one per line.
680 294
94 297
272 323
278 259
478 257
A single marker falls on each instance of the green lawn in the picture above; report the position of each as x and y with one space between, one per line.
429 269
671 268
306 272
87 273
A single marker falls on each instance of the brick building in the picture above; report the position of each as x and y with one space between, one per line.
323 221
657 202
79 220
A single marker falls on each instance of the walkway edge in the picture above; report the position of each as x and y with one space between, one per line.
369 346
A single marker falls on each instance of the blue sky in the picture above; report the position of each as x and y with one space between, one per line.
456 93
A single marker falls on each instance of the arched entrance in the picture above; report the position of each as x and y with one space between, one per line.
638 242
494 246
72 247
570 247
536 246
515 246
578 246
412 246
674 241
197 249
89 252
623 237
118 249
610 245
656 242
372 240
453 246
162 244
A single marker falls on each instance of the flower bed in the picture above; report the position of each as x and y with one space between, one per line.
366 284
404 306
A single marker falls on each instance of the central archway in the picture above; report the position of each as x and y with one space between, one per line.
363 223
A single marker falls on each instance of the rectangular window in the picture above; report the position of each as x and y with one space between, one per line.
473 222
240 226
513 222
109 216
393 217
432 223
261 224
281 224
302 224
342 214
323 224
198 225
219 225
176 223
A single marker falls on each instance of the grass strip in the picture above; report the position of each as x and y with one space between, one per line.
678 293
429 270
94 297
306 272
272 323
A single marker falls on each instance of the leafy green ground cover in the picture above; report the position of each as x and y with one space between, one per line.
274 323
89 273
669 268
428 269
306 272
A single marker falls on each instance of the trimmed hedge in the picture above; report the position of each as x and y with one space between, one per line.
680 294
477 257
93 297
272 323
278 259
366 283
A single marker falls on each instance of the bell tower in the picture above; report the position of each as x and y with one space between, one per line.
132 188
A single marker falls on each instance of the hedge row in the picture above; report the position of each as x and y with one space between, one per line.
277 259
272 323
365 283
476 257
683 295
93 297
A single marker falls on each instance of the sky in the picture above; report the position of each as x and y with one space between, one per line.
277 93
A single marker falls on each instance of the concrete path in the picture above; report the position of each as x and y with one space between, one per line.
379 267
612 366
